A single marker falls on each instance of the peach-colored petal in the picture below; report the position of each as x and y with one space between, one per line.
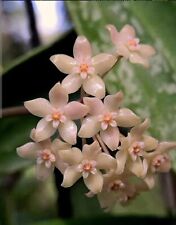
113 33
105 161
43 172
137 58
127 118
38 107
112 102
94 86
122 50
95 105
150 180
103 62
111 137
165 146
150 143
121 157
72 83
71 175
146 50
28 150
43 131
68 131
82 49
72 156
139 167
128 30
90 126
94 182
75 110
90 152
137 131
64 63
58 96
58 145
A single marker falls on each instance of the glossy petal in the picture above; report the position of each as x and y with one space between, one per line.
122 50
113 102
128 30
58 96
28 150
95 105
138 130
94 182
94 86
126 118
113 33
137 58
103 62
150 143
75 110
150 180
38 107
110 137
82 49
43 131
90 127
91 151
105 161
58 145
146 50
139 167
43 172
71 175
121 157
68 131
165 147
72 83
64 63
72 156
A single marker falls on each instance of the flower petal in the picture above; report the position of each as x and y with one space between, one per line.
113 102
28 150
127 118
94 86
103 62
43 172
105 161
150 143
58 145
71 175
95 105
150 180
139 167
137 131
90 152
43 131
38 107
128 30
113 32
68 131
121 157
111 137
64 63
72 156
94 182
146 50
72 83
137 58
75 110
90 126
165 147
82 49
58 96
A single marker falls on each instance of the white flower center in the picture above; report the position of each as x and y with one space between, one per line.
108 119
87 167
116 185
47 157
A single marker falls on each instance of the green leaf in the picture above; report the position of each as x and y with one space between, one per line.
151 93
14 133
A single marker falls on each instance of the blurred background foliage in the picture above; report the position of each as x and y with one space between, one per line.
27 73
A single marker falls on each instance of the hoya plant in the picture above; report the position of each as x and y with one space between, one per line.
118 159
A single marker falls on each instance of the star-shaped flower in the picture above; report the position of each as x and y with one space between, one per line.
87 164
46 155
128 46
105 118
84 70
57 114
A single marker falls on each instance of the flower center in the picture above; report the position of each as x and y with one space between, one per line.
116 185
47 155
84 68
133 42
87 167
56 116
137 147
107 118
159 160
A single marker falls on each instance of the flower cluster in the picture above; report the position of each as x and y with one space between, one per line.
109 164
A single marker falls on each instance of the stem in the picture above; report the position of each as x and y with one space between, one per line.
14 111
98 138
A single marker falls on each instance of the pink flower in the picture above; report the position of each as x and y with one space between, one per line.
86 164
105 118
57 114
46 155
84 69
128 45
